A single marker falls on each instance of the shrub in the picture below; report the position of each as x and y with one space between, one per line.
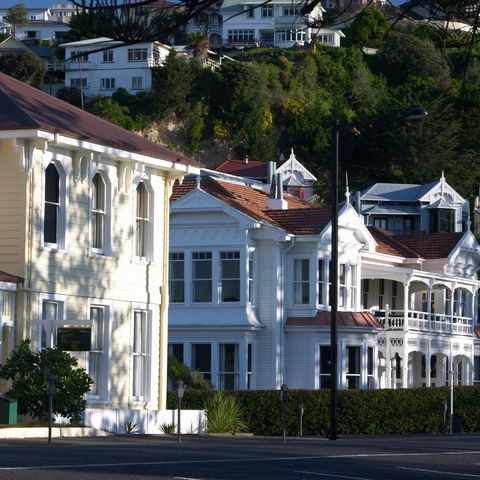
29 371
224 414
377 412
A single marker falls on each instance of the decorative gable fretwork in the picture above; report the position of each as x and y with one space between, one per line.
25 148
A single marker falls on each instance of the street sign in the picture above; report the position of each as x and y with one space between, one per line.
74 339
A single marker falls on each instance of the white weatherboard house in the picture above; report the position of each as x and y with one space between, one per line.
100 66
408 208
249 290
84 217
279 23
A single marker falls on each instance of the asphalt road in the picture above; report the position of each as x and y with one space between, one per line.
141 457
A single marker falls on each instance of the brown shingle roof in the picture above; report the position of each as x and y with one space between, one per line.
344 319
301 218
8 278
476 331
24 107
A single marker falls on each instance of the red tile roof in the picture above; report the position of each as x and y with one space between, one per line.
344 319
8 278
301 218
416 245
431 245
252 169
389 244
24 107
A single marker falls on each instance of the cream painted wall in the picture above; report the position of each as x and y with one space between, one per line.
74 274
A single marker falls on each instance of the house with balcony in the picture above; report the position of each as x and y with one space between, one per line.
84 213
100 66
249 293
407 208
279 23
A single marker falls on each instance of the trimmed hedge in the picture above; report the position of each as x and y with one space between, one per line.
418 410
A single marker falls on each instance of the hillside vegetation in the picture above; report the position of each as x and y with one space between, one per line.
269 101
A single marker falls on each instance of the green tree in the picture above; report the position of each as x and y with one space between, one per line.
24 66
368 29
172 84
197 126
28 372
71 95
17 16
111 110
403 56
198 43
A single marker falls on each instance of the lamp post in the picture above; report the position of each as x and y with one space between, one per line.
180 392
283 400
414 114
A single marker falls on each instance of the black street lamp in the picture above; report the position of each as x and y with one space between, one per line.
180 392
414 114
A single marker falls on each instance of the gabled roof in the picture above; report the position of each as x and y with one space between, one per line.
242 168
24 108
416 245
388 244
301 218
399 192
431 245
344 319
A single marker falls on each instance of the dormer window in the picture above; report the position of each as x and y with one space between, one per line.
442 220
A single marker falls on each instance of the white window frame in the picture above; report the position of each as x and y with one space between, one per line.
202 279
300 283
106 175
108 56
356 376
322 281
174 257
250 276
149 219
145 353
137 83
138 54
230 256
108 83
44 327
105 384
267 10
222 372
59 161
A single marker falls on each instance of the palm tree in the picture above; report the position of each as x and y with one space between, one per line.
198 42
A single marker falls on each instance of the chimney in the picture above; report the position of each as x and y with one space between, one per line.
271 170
275 200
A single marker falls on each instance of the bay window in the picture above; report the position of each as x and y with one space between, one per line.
301 281
230 276
202 277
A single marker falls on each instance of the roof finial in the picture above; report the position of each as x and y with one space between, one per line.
347 189
292 155
199 179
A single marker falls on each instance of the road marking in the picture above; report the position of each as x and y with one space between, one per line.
331 475
471 475
235 460
185 478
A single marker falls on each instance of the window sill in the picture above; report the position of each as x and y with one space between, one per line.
101 255
52 247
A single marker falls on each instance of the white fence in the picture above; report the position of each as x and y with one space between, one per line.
147 421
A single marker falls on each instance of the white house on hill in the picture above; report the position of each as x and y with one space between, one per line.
279 23
100 66
249 294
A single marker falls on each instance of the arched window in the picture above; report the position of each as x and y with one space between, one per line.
142 221
52 205
98 213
